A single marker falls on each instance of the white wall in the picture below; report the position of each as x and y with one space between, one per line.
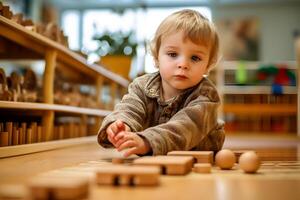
277 24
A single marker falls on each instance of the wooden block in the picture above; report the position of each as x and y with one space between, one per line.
6 12
59 188
202 167
13 191
27 22
171 165
3 139
18 18
117 161
128 175
199 156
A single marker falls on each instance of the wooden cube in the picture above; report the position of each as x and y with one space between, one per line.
199 156
171 165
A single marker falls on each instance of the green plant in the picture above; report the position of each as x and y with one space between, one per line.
117 43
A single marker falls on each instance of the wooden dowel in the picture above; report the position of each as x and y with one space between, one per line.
3 139
24 132
21 136
15 136
9 129
39 134
29 136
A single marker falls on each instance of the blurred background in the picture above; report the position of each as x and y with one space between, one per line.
257 76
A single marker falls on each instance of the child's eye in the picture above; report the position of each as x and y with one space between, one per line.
196 58
172 54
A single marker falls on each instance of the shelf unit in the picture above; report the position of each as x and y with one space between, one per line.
31 45
254 106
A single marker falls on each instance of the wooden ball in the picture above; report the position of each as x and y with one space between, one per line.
249 162
225 159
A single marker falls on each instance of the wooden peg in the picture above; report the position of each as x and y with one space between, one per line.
199 156
171 165
29 136
9 129
15 136
3 139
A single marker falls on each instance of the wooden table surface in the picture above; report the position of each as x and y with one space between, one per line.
276 179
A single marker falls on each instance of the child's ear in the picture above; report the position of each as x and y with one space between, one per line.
156 63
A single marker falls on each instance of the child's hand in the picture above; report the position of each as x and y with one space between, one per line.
133 142
114 128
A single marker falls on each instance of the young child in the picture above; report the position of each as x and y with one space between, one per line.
175 108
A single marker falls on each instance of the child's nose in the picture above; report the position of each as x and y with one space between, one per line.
183 64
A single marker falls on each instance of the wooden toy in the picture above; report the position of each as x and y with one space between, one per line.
128 175
238 153
18 18
58 188
225 159
199 156
3 139
117 161
202 168
171 165
249 162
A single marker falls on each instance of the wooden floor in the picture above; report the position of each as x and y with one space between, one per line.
278 177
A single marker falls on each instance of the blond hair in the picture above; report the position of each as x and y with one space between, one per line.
195 27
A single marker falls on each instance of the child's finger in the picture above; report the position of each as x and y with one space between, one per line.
114 127
110 136
126 144
120 124
133 150
121 140
120 135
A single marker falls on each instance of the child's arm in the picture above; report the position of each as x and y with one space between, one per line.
195 125
131 110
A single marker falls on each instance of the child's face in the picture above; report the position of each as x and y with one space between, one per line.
181 63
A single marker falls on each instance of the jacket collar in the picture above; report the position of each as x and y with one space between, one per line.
153 87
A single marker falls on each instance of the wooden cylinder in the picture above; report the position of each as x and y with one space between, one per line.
21 136
15 136
39 134
9 129
3 139
29 136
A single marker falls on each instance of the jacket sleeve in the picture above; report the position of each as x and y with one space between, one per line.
186 129
131 110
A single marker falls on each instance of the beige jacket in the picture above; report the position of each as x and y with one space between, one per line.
188 122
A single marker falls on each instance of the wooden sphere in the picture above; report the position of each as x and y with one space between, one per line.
225 159
249 162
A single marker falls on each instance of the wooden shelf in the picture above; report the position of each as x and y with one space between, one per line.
44 146
41 44
261 109
254 89
254 65
53 107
